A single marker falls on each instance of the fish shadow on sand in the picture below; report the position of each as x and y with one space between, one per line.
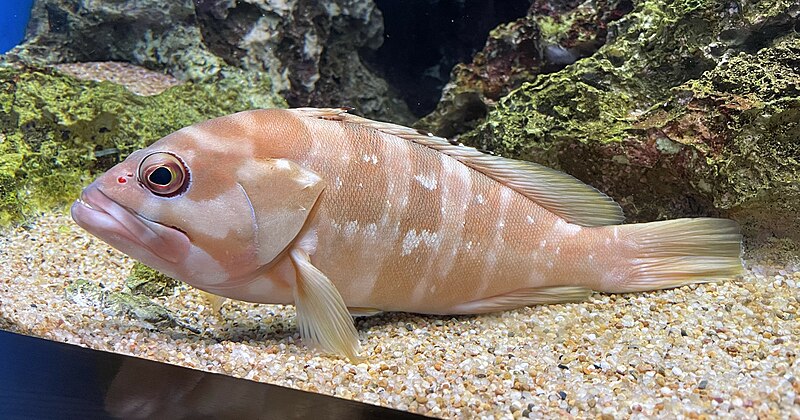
273 333
277 329
267 327
410 321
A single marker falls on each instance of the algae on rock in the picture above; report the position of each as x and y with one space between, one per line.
58 132
151 283
85 293
553 35
295 44
690 109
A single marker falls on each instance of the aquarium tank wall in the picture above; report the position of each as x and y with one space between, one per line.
12 21
453 208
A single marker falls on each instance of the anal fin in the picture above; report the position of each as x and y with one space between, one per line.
322 316
362 311
215 301
524 297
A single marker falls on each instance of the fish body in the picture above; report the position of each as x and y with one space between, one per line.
342 215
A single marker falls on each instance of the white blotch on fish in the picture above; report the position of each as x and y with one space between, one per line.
429 182
413 240
370 158
567 228
350 229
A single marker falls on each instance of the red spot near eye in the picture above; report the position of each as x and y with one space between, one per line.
122 180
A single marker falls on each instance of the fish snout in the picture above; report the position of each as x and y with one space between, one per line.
126 230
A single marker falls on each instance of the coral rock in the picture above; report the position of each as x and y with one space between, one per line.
690 109
308 49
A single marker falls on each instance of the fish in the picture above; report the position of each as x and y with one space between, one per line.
344 216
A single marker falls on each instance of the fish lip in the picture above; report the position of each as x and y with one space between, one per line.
101 216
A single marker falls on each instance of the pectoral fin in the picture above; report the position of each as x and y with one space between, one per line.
322 315
524 297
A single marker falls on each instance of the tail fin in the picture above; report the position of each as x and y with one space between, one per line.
679 252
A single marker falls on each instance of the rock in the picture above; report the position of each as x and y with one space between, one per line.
690 109
57 132
553 35
148 282
85 293
138 307
308 49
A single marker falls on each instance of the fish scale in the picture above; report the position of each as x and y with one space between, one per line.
406 279
342 215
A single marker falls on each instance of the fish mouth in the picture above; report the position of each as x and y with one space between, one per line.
126 230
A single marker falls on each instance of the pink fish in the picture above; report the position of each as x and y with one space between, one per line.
340 216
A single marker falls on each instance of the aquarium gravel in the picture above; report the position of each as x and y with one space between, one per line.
720 349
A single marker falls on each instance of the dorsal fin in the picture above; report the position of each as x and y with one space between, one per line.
561 193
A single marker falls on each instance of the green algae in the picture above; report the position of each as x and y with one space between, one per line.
691 109
551 29
546 40
656 47
139 307
560 29
744 118
58 132
555 107
85 293
148 282
595 98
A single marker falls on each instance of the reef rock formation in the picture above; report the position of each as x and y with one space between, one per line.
309 49
690 108
553 35
57 132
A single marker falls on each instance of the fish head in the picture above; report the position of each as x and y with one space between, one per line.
213 216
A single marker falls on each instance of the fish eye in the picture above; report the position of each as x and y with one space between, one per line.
164 174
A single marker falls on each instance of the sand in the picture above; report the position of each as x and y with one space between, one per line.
727 349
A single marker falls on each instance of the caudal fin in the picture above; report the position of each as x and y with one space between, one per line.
679 252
